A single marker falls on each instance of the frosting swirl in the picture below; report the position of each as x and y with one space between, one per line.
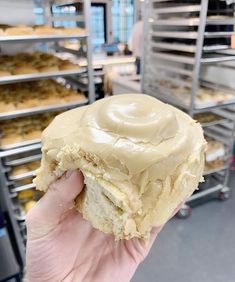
147 157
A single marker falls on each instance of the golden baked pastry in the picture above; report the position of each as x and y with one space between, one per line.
24 69
10 139
67 65
29 205
4 73
49 69
20 169
72 30
140 158
19 30
45 30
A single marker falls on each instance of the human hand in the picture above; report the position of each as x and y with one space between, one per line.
62 246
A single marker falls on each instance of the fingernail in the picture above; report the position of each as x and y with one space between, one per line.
68 173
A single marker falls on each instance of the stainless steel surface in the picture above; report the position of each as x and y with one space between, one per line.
217 34
212 123
217 59
42 75
174 46
211 171
198 55
39 38
5 196
176 70
20 150
23 188
20 144
174 58
213 48
204 193
177 22
41 109
225 21
91 87
175 34
178 9
24 160
22 176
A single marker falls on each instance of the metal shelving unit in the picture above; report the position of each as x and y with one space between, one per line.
181 41
27 152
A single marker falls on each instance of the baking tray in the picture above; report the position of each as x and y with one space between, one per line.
37 38
42 109
42 75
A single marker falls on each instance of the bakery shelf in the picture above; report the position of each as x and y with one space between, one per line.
20 144
22 176
42 109
20 150
175 58
177 22
217 59
166 94
25 160
213 48
175 34
183 30
211 171
174 69
220 21
40 38
225 113
174 46
208 124
179 9
221 131
193 21
218 34
204 193
217 137
213 105
35 76
23 188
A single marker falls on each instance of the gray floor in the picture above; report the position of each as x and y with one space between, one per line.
199 249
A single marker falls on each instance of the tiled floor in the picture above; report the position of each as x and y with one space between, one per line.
199 249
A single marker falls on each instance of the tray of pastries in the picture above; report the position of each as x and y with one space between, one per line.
38 30
205 97
33 63
23 130
29 95
215 153
207 118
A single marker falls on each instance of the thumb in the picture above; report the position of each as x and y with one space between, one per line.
54 205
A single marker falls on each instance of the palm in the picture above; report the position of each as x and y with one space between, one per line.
67 248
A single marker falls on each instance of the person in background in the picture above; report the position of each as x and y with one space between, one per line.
136 44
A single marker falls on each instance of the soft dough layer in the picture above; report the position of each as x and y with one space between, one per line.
140 157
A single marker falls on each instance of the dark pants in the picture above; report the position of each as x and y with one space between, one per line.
138 65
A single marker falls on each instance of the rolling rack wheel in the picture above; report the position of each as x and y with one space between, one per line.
224 194
184 212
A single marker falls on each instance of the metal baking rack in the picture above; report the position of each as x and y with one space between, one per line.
26 152
181 41
42 75
40 38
